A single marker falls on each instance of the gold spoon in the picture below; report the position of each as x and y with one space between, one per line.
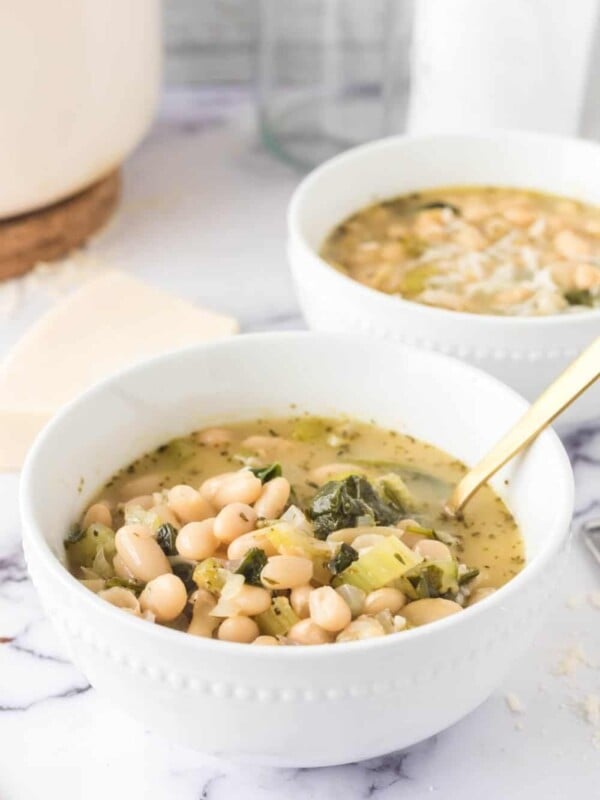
578 377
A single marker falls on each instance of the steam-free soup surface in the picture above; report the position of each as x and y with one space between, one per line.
314 530
484 250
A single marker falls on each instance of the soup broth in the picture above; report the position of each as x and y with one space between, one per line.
483 250
301 530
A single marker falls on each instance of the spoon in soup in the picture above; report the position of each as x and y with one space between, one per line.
578 377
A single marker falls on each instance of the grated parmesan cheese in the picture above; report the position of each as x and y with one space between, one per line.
514 703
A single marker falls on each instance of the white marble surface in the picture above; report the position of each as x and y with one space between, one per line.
203 215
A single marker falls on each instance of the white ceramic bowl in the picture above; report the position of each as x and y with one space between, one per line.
296 706
526 353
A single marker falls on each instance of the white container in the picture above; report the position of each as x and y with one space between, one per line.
293 706
525 352
482 64
79 83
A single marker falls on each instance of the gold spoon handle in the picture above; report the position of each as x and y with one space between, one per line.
559 395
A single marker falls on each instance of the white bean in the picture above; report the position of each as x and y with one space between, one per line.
238 629
244 488
99 513
433 550
266 640
164 514
197 540
367 540
189 504
202 623
141 554
299 600
327 472
430 609
121 570
328 609
145 484
361 628
384 599
354 597
267 446
240 546
145 501
273 498
165 597
286 572
234 520
308 632
252 600
210 486
215 437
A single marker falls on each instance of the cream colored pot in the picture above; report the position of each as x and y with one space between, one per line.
79 82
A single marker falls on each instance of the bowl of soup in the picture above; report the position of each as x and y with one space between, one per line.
246 550
483 246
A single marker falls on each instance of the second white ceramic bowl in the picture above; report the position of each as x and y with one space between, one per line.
526 353
293 706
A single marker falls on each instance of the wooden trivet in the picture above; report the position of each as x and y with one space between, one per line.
54 231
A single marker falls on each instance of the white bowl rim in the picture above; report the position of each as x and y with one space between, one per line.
390 301
32 525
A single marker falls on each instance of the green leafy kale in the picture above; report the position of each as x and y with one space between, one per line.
165 536
252 565
468 576
579 297
342 559
267 473
346 503
185 572
431 579
434 204
75 534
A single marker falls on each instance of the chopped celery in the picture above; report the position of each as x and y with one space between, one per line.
290 541
446 538
467 576
416 279
309 429
419 530
209 575
379 566
393 489
251 566
134 586
278 619
136 515
431 579
83 551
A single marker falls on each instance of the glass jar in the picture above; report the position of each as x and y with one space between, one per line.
332 74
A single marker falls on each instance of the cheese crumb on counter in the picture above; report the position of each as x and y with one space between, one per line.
591 709
514 703
572 659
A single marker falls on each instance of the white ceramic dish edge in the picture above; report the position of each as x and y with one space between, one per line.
171 681
526 353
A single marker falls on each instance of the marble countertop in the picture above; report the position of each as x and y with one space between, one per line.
203 215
